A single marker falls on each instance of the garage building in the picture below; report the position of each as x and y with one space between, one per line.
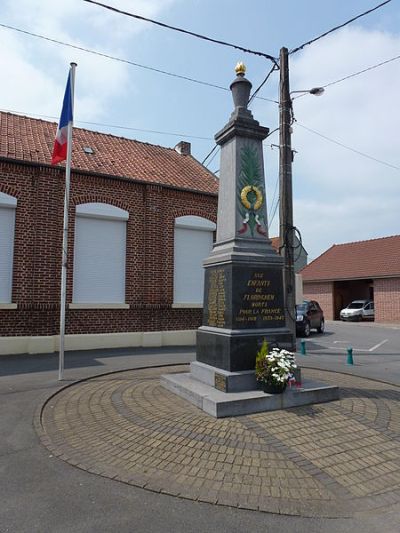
361 270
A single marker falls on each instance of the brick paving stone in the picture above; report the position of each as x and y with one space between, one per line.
330 460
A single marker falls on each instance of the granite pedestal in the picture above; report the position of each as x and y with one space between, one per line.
242 397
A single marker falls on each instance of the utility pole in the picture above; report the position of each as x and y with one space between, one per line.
285 194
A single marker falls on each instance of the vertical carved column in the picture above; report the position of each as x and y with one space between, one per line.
243 295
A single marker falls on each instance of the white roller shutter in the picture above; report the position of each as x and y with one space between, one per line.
7 227
193 243
99 256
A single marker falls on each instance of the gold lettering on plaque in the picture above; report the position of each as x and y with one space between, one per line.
259 302
216 298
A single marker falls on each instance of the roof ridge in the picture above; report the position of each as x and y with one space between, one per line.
31 139
96 132
21 115
372 258
368 240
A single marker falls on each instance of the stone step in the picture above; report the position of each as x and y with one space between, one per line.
223 404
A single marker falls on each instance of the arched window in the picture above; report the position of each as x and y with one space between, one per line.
8 206
99 254
193 243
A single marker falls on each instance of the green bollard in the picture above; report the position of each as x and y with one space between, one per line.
303 347
350 356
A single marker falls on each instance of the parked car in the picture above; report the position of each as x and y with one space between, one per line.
358 310
309 315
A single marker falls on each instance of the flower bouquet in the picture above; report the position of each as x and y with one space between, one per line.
274 370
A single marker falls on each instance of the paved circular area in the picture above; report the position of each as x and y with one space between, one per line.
333 460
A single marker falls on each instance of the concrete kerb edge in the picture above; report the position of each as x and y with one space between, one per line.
37 417
46 442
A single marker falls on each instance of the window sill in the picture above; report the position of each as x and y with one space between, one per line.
8 306
187 306
98 306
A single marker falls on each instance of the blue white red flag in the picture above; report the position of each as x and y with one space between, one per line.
61 141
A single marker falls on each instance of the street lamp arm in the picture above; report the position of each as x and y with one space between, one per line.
316 91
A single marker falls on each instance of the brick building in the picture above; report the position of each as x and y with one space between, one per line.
354 271
141 219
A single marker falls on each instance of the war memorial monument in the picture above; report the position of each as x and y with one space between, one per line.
243 290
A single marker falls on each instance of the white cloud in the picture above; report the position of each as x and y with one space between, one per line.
38 69
340 196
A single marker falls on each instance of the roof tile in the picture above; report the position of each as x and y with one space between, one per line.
30 139
375 258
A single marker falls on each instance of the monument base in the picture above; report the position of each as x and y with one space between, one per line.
206 387
235 350
228 381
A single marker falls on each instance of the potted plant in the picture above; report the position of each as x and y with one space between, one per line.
274 370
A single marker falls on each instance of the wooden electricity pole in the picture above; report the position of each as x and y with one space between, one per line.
286 231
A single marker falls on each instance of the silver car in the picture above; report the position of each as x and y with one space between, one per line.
358 310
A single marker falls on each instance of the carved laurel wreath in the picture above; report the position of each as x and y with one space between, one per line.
259 197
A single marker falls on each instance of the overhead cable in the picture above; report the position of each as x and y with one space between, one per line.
294 50
209 154
274 67
216 146
181 135
121 60
361 72
352 75
181 30
347 147
212 158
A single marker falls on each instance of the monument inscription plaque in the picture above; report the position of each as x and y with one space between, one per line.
215 297
256 302
220 382
258 298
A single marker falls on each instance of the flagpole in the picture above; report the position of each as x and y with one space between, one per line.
63 301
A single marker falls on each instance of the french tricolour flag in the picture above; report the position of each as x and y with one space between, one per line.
61 141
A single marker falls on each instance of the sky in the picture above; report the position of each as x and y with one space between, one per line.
346 169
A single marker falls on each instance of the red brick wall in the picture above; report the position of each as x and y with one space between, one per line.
387 300
149 260
322 292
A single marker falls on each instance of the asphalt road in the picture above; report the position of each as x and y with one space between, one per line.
376 349
40 494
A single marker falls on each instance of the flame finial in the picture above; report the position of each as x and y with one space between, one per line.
240 69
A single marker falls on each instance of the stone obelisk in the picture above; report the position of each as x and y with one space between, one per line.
243 291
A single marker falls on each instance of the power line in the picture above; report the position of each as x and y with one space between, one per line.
273 199
274 213
336 27
271 132
348 147
209 154
212 158
361 71
121 60
372 67
274 67
181 135
114 58
181 30
216 146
